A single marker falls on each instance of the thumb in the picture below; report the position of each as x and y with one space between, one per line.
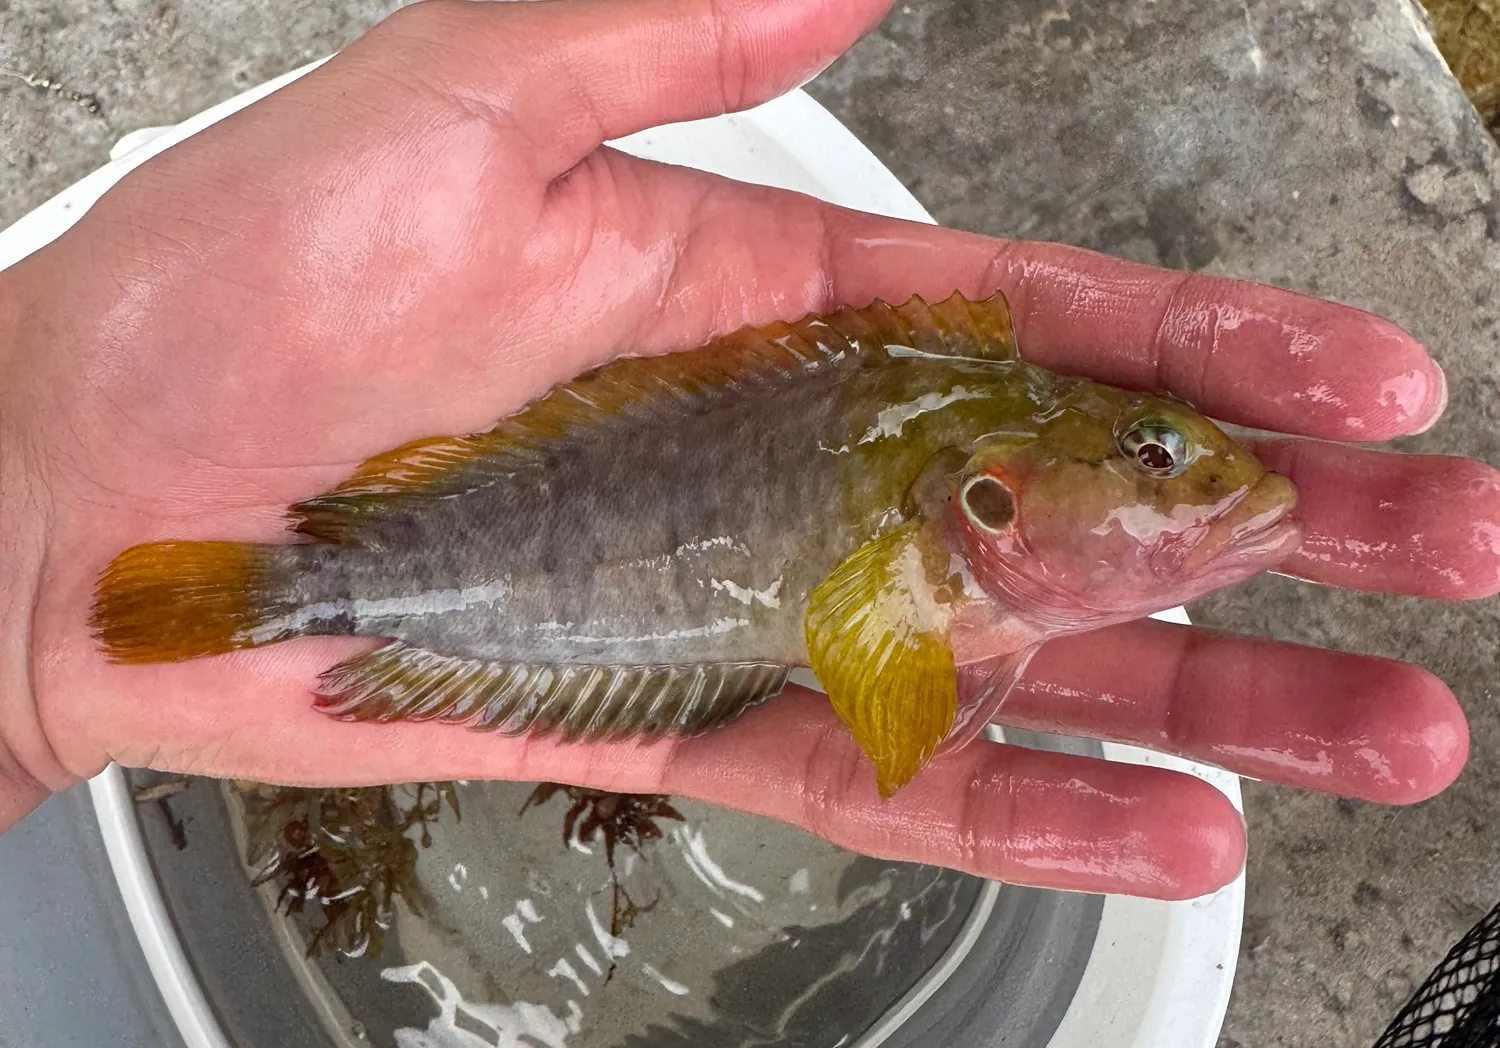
572 74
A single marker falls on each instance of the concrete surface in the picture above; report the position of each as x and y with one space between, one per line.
1315 144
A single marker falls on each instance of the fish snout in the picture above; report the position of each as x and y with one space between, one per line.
1254 533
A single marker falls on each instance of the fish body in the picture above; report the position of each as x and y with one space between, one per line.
691 540
890 495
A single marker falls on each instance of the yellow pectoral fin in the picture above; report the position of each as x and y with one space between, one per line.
878 643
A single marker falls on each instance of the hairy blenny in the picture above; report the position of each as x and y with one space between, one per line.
888 495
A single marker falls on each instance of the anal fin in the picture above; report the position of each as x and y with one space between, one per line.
580 703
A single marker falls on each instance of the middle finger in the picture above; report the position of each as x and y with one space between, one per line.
1347 724
1423 525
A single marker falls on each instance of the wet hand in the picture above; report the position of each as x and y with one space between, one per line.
426 233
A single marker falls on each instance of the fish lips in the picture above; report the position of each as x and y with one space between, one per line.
1254 533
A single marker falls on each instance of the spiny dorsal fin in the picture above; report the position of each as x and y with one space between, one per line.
577 702
642 390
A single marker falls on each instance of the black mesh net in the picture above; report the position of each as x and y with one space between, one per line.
1459 1004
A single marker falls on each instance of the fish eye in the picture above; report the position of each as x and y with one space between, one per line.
988 503
1156 449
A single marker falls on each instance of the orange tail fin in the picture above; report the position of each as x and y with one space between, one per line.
169 601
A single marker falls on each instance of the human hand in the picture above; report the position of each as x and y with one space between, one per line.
424 234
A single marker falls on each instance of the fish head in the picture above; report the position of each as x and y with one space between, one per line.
1115 505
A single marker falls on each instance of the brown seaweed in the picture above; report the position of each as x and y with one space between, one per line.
347 854
619 818
160 794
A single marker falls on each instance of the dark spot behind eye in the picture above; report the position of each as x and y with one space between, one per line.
989 503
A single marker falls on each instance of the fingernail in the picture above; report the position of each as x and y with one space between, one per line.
1437 398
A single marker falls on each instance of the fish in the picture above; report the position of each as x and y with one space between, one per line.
887 495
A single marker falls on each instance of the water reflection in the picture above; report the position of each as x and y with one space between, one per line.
746 932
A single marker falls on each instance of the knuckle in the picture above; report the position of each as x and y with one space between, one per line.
831 765
428 20
733 58
982 832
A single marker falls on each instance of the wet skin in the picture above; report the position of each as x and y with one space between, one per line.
396 246
898 498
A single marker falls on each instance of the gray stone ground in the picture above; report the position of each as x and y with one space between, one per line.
1315 145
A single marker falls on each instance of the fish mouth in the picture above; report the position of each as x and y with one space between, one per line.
1253 534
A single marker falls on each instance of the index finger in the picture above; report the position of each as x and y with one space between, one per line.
1239 351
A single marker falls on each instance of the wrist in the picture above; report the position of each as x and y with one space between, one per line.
26 764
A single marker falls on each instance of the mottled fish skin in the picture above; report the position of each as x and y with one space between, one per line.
889 495
697 540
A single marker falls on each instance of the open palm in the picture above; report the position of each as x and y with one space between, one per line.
425 233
